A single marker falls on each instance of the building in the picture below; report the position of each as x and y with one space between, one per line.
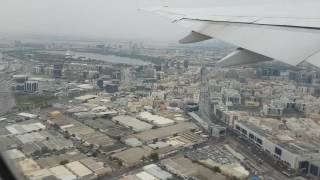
272 110
80 170
155 119
97 167
132 156
165 132
132 123
284 141
111 88
217 131
57 70
231 97
157 172
19 81
133 142
185 169
61 172
31 86
28 166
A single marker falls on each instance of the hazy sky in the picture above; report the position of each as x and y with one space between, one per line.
97 18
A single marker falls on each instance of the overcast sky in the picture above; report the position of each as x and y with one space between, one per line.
97 18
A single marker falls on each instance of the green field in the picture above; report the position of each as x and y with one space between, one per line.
24 102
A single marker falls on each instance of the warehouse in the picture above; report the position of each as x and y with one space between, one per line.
130 177
27 115
84 115
40 174
186 169
28 166
115 148
9 142
85 98
30 137
108 127
133 142
97 167
165 132
155 119
77 109
130 122
98 139
44 138
145 176
78 129
157 172
132 156
15 154
62 173
80 170
55 160
22 128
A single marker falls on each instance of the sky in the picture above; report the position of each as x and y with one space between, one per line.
115 19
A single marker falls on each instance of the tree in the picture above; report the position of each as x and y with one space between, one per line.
44 150
154 156
67 136
216 169
63 162
143 158
95 154
19 148
56 126
37 153
233 178
120 163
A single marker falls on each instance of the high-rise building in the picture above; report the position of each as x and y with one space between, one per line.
57 70
31 86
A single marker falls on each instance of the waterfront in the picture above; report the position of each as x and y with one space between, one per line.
107 58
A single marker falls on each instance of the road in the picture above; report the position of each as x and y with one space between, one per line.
7 101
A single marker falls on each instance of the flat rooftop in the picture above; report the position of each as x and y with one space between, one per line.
131 122
298 135
165 131
132 156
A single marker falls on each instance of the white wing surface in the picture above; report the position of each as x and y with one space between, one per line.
290 34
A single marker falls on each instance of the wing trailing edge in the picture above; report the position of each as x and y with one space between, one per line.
194 37
242 57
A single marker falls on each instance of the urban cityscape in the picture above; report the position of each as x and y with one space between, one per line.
126 110
160 90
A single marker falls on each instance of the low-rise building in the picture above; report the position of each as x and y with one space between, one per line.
80 170
157 172
132 123
155 119
132 156
61 172
283 140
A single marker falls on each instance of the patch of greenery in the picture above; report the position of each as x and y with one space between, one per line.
25 102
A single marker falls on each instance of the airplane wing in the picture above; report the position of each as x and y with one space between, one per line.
290 34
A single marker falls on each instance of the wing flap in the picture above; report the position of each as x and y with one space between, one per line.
194 37
242 57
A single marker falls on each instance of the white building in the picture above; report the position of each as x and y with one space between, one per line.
132 123
280 143
231 97
155 119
